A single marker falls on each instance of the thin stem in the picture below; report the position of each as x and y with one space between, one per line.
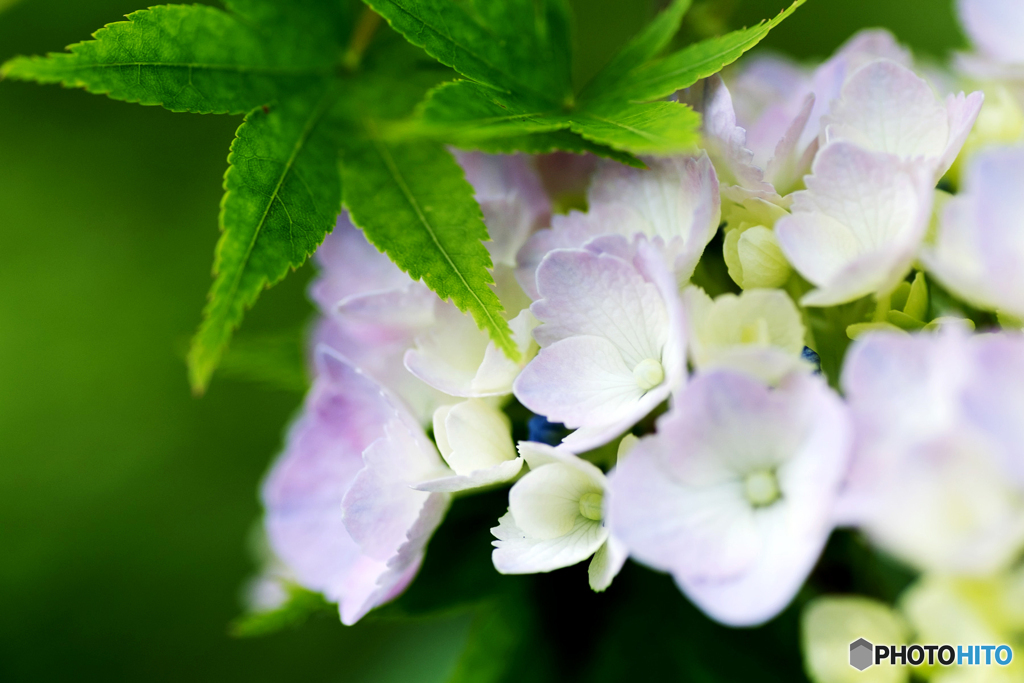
366 27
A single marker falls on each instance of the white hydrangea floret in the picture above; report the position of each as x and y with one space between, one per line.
857 227
555 518
674 203
886 107
457 357
734 493
475 440
979 248
829 625
935 478
759 332
612 339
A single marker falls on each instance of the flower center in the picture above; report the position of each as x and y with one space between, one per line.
756 333
590 506
649 374
761 488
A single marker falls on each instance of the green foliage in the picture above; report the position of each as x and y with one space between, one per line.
412 201
296 610
640 127
189 58
496 633
276 361
516 94
520 48
644 46
308 79
317 85
283 193
681 69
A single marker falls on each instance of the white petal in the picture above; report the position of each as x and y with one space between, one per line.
583 382
449 355
888 108
856 228
607 564
479 436
603 296
515 553
546 502
497 474
541 454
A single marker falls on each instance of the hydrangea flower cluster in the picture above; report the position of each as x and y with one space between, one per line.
674 328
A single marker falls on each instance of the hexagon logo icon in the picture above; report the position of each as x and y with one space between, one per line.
861 654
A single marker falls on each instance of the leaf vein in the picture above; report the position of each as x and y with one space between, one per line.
411 199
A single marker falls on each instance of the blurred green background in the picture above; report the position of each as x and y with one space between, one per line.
125 503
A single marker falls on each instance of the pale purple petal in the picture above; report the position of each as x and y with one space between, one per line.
866 46
378 352
344 414
857 227
512 198
995 28
679 502
995 402
350 265
931 479
778 112
789 163
726 141
675 200
767 93
604 318
888 108
389 520
979 251
600 295
372 313
567 231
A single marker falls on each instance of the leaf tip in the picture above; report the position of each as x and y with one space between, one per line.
201 362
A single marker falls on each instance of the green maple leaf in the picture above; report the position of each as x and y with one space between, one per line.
513 96
311 81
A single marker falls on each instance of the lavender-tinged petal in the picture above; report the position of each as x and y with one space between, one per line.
681 500
857 227
994 27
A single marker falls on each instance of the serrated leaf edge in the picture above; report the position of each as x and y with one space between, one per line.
199 374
